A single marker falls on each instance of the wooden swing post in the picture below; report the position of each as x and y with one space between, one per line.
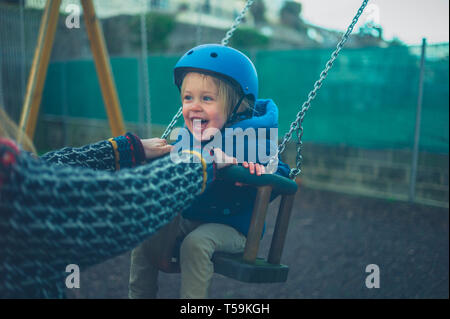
36 80
103 67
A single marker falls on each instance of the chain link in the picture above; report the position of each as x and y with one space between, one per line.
297 125
237 22
172 123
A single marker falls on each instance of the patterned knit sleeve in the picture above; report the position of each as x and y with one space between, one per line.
113 154
55 215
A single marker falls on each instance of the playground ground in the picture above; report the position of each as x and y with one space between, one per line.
332 238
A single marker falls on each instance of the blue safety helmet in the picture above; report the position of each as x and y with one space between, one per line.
221 61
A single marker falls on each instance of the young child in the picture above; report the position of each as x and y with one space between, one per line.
219 89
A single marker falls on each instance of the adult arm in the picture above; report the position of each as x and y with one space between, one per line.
112 154
55 215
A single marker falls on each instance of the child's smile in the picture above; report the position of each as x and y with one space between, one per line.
202 108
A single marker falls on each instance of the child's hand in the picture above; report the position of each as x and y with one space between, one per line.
252 167
155 147
260 169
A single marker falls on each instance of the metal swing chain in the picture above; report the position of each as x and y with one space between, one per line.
237 22
172 123
224 42
297 124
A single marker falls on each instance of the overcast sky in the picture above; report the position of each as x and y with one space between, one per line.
409 20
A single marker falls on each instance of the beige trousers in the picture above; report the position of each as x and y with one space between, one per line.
199 244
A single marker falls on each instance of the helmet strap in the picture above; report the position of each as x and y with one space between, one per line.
235 109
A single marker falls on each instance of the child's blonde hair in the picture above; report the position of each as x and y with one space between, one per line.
227 94
9 129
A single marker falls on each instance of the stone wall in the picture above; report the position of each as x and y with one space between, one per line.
382 173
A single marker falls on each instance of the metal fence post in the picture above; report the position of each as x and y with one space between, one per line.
412 185
145 79
65 103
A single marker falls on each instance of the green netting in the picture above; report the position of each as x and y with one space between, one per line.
74 84
368 100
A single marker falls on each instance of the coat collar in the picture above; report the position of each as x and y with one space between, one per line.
265 115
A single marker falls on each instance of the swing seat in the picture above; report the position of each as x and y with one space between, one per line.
246 267
260 271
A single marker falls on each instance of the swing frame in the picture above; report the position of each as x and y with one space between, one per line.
41 58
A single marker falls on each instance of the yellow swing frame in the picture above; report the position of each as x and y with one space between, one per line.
38 72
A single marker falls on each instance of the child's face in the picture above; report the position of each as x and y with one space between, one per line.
200 98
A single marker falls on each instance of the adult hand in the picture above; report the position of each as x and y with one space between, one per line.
155 147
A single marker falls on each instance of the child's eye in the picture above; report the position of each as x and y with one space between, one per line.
187 97
207 98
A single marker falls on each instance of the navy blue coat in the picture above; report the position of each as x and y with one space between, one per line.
225 203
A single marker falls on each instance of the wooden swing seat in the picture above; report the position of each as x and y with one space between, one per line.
246 266
260 271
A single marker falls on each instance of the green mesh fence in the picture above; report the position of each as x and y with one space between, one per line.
368 100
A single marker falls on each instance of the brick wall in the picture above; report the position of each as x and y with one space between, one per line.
379 173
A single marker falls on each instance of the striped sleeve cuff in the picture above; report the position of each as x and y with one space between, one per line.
9 151
204 167
128 150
